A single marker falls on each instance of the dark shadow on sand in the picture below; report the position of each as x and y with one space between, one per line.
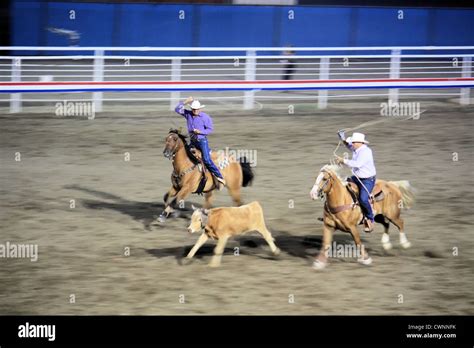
144 212
304 247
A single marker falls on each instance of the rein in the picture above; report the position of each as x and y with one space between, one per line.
173 155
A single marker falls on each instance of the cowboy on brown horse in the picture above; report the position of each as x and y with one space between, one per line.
363 168
189 176
199 127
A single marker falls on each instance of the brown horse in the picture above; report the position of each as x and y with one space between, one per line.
187 174
341 213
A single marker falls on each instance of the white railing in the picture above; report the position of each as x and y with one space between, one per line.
325 69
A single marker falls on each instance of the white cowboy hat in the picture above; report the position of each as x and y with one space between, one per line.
357 138
195 105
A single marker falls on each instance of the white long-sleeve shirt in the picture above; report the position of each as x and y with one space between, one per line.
362 162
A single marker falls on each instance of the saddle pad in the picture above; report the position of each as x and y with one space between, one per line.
223 161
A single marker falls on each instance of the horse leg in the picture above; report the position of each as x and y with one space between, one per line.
404 242
171 193
233 178
208 200
321 261
364 258
235 194
385 237
180 195
169 199
218 251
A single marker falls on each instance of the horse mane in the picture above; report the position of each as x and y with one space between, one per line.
334 168
186 146
179 134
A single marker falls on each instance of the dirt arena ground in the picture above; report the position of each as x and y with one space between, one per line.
81 249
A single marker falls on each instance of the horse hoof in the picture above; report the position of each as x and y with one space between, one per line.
214 264
161 218
277 252
175 214
387 246
318 265
406 245
366 261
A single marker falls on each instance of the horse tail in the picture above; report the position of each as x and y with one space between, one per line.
407 191
247 172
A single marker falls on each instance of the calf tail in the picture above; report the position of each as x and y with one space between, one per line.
247 172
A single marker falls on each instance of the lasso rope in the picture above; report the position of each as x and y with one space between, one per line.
363 125
371 123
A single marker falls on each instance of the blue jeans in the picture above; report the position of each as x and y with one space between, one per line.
369 183
203 146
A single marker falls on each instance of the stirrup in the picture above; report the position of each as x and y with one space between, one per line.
221 182
368 228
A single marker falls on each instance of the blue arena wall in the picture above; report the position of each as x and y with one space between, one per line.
123 24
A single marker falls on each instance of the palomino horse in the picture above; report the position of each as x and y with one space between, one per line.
186 176
340 212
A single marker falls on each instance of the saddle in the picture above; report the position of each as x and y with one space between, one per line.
196 157
375 196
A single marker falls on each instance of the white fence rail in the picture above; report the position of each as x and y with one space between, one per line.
102 71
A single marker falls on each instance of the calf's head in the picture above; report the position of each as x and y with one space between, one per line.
198 220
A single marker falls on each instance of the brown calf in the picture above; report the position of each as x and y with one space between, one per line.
223 223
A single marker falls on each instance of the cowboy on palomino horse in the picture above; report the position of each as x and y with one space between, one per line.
344 212
363 168
199 127
189 176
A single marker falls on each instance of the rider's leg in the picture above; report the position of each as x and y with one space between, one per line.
206 158
364 194
359 186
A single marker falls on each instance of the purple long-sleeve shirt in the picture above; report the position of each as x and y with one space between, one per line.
201 122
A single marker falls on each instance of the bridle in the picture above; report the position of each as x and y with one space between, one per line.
173 153
338 209
177 176
321 190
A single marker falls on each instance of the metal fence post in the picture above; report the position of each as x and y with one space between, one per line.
98 77
15 98
323 75
175 76
466 72
394 74
250 73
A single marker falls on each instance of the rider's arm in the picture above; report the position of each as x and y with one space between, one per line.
352 163
208 126
362 159
342 136
180 107
348 145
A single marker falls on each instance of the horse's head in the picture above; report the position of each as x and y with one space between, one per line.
173 143
324 181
